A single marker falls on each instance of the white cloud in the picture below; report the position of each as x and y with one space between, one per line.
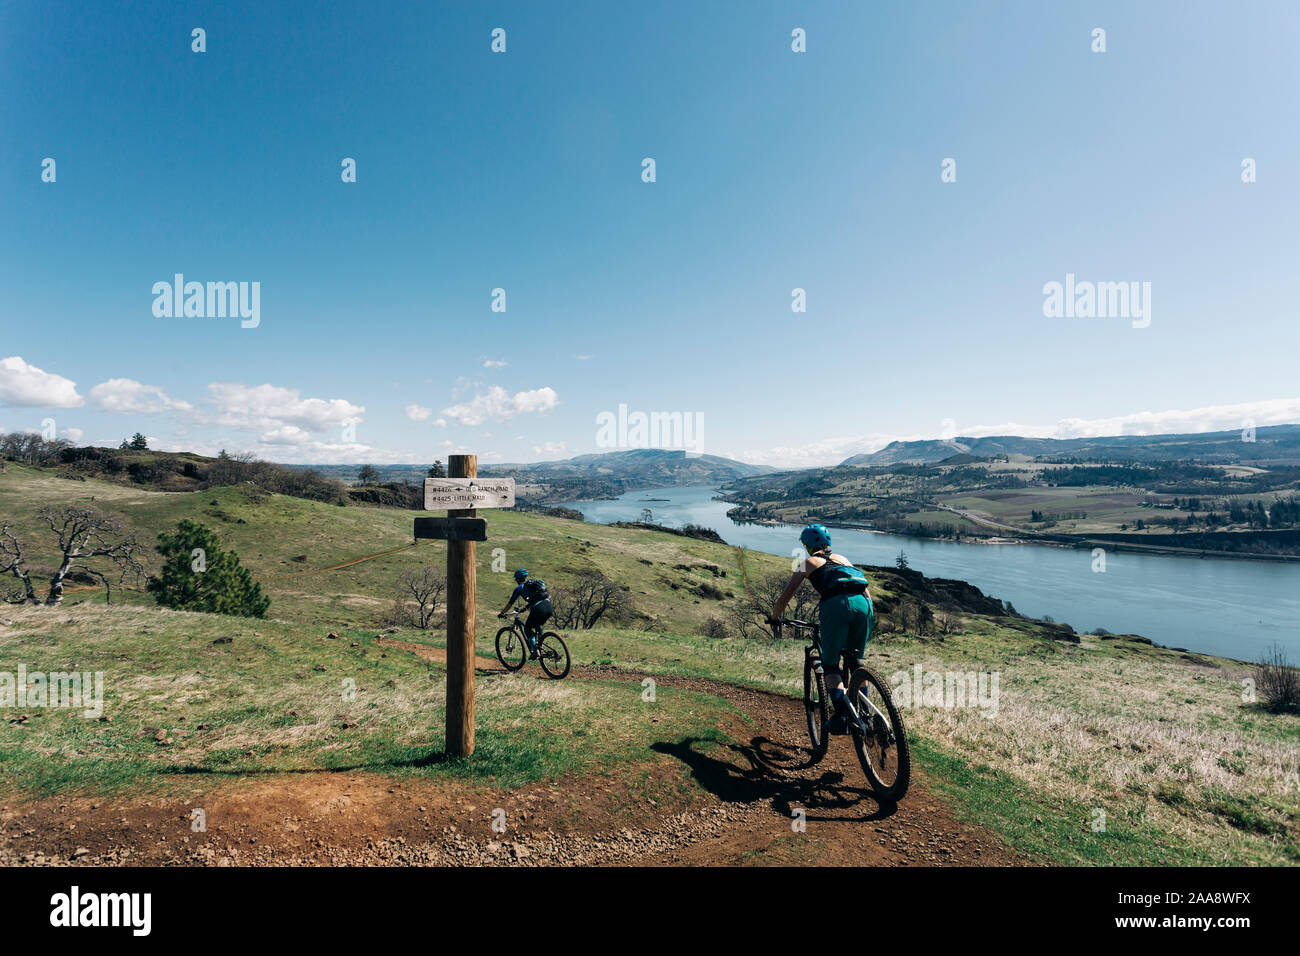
418 413
494 363
582 358
499 405
550 448
128 397
286 435
463 385
828 451
72 434
270 407
28 386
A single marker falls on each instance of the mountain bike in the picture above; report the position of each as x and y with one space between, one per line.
875 724
512 649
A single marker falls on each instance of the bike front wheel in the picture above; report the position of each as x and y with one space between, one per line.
882 742
815 706
553 655
512 651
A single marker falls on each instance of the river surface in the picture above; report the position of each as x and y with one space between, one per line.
1219 606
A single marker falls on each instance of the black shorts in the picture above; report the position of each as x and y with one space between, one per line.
538 615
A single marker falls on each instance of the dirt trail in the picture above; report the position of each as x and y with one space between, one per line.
740 811
767 778
438 655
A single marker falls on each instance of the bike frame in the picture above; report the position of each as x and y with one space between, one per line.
814 650
517 625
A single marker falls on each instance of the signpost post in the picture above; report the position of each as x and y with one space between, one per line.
461 493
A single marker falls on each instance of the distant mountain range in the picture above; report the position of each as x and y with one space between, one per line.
615 471
651 465
1276 444
658 468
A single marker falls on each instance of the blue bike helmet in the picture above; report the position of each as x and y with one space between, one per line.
520 575
815 537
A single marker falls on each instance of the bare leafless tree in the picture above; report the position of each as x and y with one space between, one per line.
12 561
31 447
427 586
590 598
947 623
83 535
749 615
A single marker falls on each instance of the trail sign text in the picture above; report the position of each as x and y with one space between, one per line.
455 493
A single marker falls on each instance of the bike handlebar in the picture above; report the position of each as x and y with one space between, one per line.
791 622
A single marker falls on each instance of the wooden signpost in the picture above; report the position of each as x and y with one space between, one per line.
461 493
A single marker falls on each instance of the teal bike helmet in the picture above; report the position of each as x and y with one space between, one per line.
520 575
815 537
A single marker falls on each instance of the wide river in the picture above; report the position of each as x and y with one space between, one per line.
1231 608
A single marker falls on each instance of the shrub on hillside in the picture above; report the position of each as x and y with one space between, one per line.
197 575
389 495
307 483
716 628
685 531
1278 682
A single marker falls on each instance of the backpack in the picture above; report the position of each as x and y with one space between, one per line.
834 579
534 591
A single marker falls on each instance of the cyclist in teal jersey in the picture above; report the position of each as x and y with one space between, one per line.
846 612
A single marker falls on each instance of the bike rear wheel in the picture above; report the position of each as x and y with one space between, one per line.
512 650
815 707
553 655
883 751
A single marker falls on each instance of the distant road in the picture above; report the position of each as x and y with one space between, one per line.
987 522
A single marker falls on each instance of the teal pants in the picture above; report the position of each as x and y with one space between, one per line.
846 624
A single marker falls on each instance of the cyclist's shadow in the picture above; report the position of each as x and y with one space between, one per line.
764 773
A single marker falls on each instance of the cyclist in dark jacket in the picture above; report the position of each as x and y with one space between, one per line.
846 612
538 601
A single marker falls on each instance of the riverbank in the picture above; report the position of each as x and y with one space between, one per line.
1108 543
1175 603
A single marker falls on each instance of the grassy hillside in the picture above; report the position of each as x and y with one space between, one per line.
1160 742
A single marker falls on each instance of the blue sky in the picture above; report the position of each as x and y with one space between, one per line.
775 170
